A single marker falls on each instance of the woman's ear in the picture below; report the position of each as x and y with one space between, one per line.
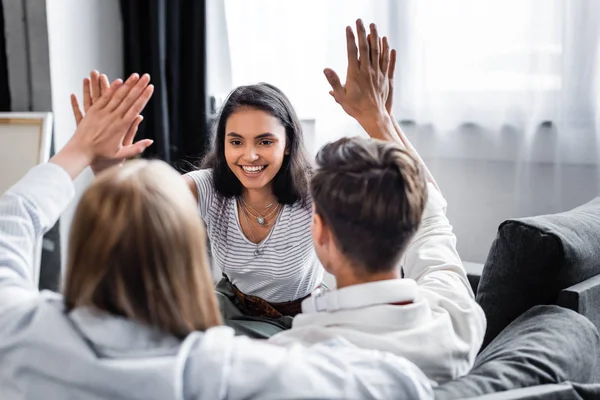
287 151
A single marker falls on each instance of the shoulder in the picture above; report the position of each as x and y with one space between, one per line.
305 206
200 182
200 175
301 208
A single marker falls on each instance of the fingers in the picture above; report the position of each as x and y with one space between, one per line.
363 46
95 81
87 97
374 45
392 66
391 70
139 103
134 149
114 86
76 110
385 56
132 131
104 83
351 49
126 105
334 80
113 97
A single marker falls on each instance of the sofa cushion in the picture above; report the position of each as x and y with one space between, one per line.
533 259
544 346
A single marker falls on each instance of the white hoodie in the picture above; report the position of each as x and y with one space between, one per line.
440 329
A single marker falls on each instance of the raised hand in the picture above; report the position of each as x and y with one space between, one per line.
365 95
106 130
93 87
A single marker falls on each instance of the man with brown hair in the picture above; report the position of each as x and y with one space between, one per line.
377 212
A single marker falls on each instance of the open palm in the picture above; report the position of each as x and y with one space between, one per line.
93 87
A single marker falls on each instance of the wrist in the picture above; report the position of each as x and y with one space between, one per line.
72 158
378 125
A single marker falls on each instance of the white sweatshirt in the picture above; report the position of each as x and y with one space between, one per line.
440 330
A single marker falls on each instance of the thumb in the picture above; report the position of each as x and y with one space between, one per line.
333 94
134 149
334 80
132 130
76 110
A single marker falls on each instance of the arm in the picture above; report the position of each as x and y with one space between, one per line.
242 368
201 185
192 185
33 205
28 210
432 260
408 145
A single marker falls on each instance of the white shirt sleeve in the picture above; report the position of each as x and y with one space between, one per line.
27 210
433 262
331 370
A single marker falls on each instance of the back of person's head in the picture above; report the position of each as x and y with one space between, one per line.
370 195
290 184
138 249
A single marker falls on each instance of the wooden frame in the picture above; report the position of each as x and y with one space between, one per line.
25 141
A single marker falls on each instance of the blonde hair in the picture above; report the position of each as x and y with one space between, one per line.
138 249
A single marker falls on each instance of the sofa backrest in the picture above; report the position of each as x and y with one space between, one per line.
533 259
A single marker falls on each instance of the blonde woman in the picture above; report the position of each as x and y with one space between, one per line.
138 318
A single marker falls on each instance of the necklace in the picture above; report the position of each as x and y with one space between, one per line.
255 210
257 251
260 219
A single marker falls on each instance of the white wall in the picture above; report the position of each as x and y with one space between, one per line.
82 35
218 63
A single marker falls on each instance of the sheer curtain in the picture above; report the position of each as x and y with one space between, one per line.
495 63
500 97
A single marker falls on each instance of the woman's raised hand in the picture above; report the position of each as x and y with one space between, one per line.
93 88
105 130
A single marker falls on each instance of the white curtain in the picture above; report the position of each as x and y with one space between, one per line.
504 94
492 63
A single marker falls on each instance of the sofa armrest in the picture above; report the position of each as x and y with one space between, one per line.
540 392
583 298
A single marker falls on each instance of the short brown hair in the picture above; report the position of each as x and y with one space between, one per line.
371 194
138 249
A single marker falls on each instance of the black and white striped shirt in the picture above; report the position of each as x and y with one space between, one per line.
284 268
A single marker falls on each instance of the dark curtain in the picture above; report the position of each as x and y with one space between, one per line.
166 38
4 88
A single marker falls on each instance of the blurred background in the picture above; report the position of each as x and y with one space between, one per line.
500 97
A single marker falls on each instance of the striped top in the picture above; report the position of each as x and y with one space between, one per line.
284 268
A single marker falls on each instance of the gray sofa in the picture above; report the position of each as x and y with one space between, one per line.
541 271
